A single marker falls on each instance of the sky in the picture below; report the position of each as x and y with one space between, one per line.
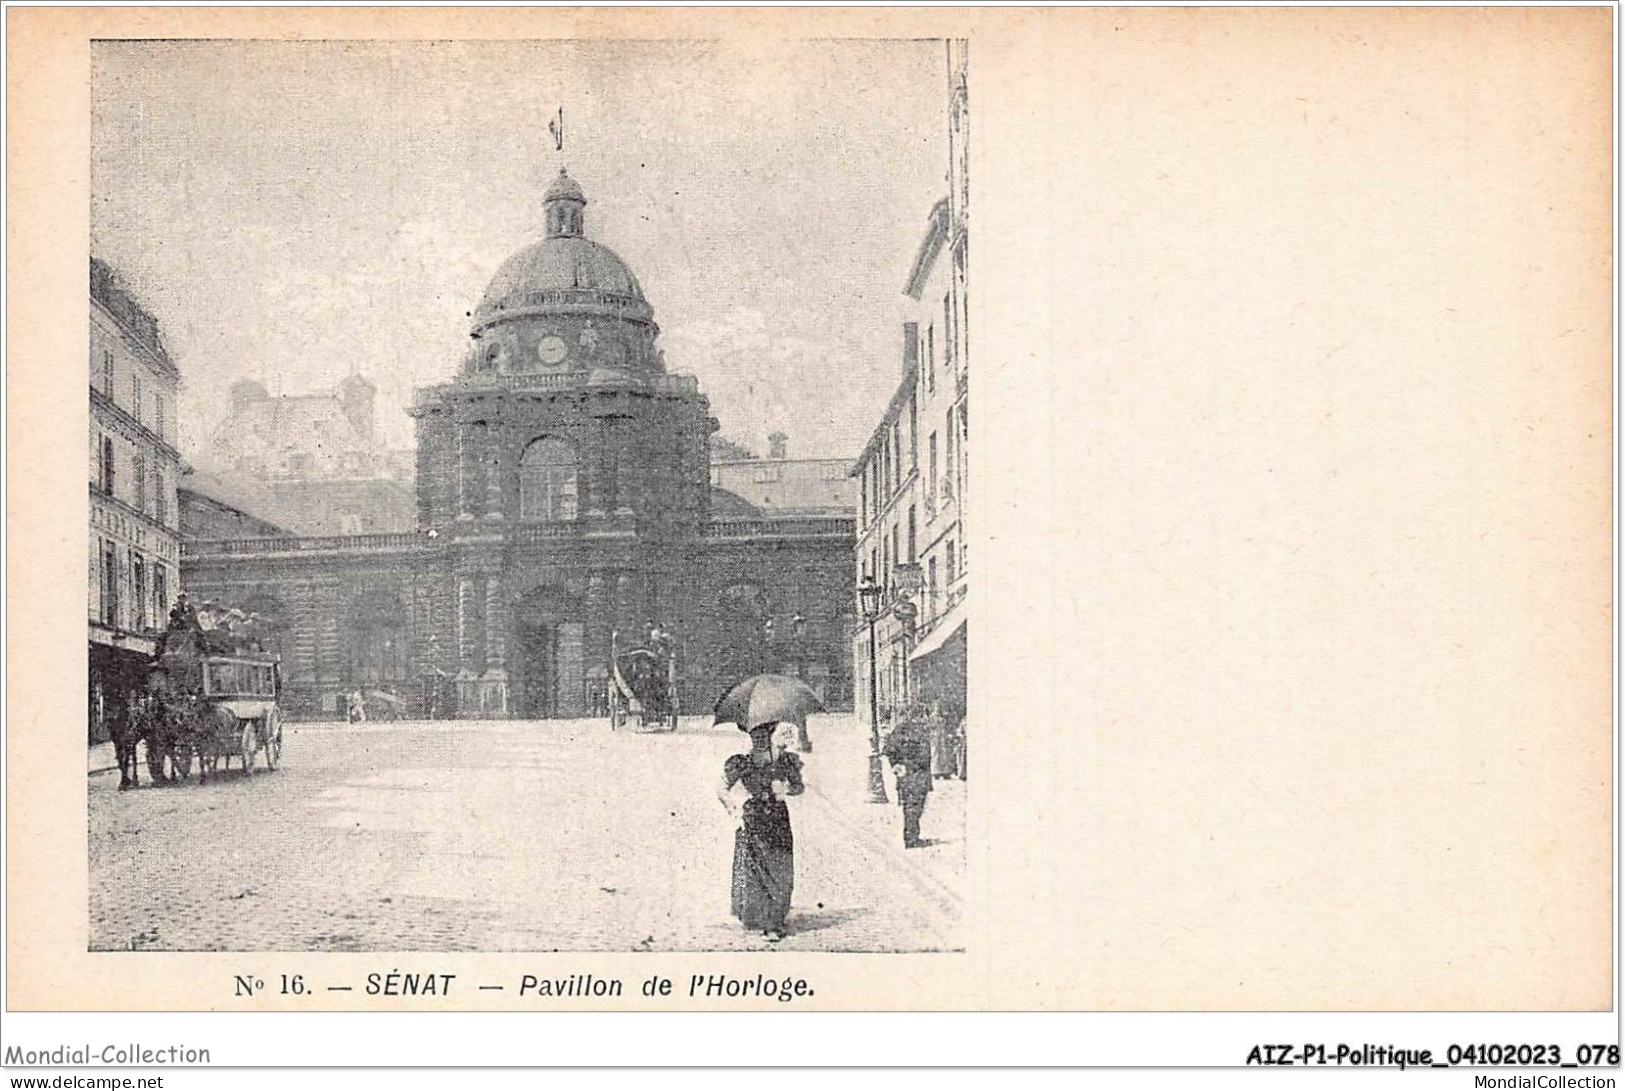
295 211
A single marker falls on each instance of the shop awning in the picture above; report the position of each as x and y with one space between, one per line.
952 623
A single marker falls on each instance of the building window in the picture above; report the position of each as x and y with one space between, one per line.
931 588
160 497
138 474
911 538
160 593
931 349
158 414
547 482
135 397
897 455
964 438
863 496
951 573
138 590
948 475
766 474
109 585
107 372
109 466
913 435
931 471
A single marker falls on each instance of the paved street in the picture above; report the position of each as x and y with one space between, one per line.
559 835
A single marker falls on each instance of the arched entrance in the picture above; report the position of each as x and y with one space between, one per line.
741 632
548 665
376 644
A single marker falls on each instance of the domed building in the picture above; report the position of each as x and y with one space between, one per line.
564 487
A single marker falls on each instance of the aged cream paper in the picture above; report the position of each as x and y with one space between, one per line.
1292 337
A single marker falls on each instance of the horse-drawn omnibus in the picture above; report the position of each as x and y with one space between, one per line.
643 684
210 694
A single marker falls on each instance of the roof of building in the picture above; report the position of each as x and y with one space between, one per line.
936 233
135 319
564 188
564 260
246 497
559 261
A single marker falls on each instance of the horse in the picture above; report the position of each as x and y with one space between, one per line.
128 729
211 728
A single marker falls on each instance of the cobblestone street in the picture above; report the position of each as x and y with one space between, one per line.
533 836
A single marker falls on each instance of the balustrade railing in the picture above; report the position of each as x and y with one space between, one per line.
832 527
546 532
348 543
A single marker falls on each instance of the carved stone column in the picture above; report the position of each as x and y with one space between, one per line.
590 470
466 453
609 438
625 468
494 698
598 624
467 624
493 473
496 625
625 606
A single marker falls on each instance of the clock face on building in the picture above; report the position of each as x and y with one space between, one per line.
551 349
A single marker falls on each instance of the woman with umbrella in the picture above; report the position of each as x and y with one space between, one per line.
764 848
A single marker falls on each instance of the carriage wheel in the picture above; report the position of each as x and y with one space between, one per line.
247 743
273 739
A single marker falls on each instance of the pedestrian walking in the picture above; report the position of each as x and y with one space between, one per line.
908 749
357 708
764 867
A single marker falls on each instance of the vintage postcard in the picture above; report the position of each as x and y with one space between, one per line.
533 523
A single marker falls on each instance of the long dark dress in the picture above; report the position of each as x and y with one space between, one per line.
764 850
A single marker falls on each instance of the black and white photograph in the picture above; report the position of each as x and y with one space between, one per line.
527 495
532 508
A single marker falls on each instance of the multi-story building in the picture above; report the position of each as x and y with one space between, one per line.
313 461
912 474
564 494
134 521
778 483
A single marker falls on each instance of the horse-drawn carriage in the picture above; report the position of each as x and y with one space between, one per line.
209 694
643 684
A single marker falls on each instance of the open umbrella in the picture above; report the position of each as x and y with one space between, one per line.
768 699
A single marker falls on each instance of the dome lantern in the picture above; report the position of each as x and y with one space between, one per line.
564 203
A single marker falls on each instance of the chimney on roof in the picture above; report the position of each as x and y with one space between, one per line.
356 395
776 445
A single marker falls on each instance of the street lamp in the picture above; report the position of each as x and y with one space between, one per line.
869 602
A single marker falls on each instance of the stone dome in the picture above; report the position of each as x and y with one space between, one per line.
565 269
560 261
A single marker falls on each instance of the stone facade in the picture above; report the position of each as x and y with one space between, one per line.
563 494
134 569
913 474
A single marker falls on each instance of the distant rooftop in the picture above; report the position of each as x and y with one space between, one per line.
137 321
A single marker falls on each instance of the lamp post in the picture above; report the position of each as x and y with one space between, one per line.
798 627
869 603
